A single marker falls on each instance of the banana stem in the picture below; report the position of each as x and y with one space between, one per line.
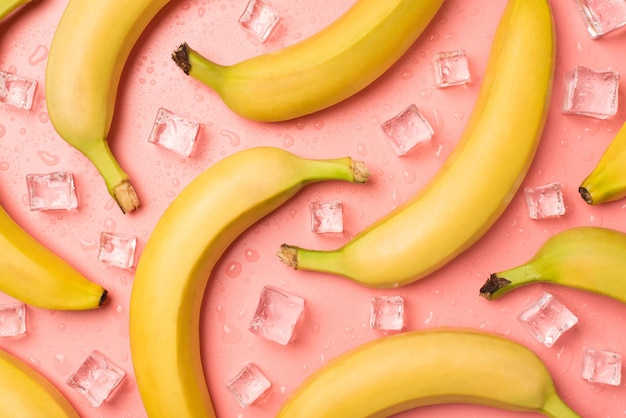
498 284
198 67
555 407
8 6
311 260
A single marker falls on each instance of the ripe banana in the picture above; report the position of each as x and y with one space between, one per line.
321 70
33 274
477 181
174 268
586 257
8 6
418 368
26 393
607 181
88 52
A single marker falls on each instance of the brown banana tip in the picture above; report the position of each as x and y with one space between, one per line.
584 193
126 197
104 297
288 255
361 172
181 57
493 284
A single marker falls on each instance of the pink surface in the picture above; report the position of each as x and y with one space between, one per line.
337 316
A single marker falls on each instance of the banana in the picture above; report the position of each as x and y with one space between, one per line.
321 70
26 393
88 52
395 373
35 275
477 181
586 257
174 268
607 181
8 6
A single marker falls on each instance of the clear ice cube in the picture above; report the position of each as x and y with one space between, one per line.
591 93
51 191
17 91
326 217
547 319
602 16
174 132
276 315
545 201
259 20
387 313
96 378
117 250
601 366
249 385
12 319
407 129
451 68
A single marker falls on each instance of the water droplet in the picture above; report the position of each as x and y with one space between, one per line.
109 224
39 55
288 141
89 245
409 176
3 131
233 269
60 365
407 74
230 335
318 125
361 149
35 362
47 158
458 115
235 141
4 165
251 255
426 93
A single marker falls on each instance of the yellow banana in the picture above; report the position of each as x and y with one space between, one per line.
321 70
8 6
33 274
607 181
418 368
26 393
477 181
88 52
173 270
586 257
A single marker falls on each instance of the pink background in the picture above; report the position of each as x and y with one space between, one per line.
337 315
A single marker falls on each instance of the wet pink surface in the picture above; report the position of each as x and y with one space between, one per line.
337 315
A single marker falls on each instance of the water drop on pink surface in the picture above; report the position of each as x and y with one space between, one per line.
233 269
234 139
39 55
409 176
288 141
230 335
251 255
361 149
47 158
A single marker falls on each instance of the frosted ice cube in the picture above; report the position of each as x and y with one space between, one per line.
96 378
451 68
248 385
17 91
326 216
276 315
545 201
259 20
602 16
591 93
12 319
174 132
117 250
602 366
387 313
407 129
51 191
547 319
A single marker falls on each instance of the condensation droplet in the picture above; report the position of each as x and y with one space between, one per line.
4 165
233 269
409 176
35 362
3 131
318 125
251 255
39 55
230 335
109 224
458 115
88 245
407 74
426 93
361 149
288 141
47 158
234 139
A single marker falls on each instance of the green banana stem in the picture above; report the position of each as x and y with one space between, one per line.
501 283
8 6
198 67
555 407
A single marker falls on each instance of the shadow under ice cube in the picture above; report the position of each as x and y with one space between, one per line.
259 20
17 91
96 378
174 132
52 191
326 217
249 385
407 129
602 16
545 201
591 93
387 313
117 250
276 315
12 319
602 366
548 319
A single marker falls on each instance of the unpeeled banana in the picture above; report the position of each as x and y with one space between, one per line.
395 373
174 268
8 6
477 181
26 393
607 181
585 257
321 70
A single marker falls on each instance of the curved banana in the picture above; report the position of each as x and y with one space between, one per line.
395 373
26 393
174 268
321 70
33 274
479 178
88 52
586 257
607 181
8 6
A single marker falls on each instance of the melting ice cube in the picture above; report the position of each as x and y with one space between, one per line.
407 129
248 385
547 319
174 132
387 313
545 201
326 217
591 93
96 378
276 315
12 319
259 20
602 16
602 366
451 68
17 91
51 191
117 250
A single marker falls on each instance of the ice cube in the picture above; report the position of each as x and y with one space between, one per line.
276 315
547 319
591 93
96 378
602 366
12 319
326 216
545 201
17 91
602 16
51 191
259 20
117 250
248 385
174 132
407 129
387 313
451 68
